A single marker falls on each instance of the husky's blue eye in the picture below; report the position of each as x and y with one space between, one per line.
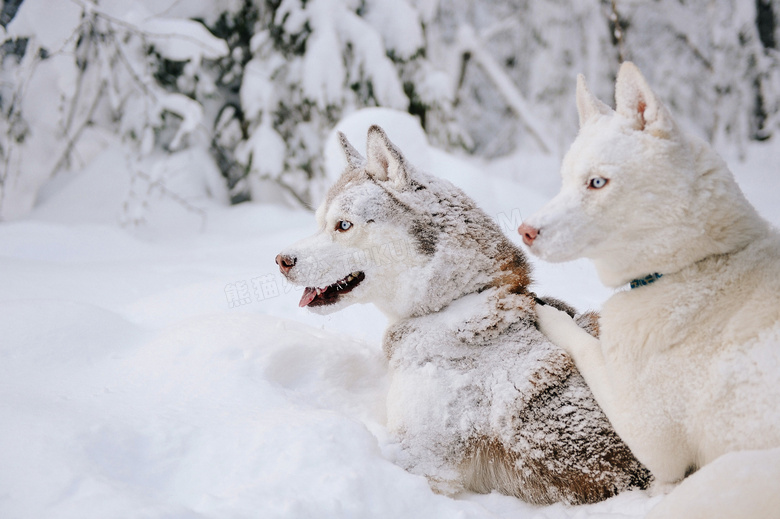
343 226
597 182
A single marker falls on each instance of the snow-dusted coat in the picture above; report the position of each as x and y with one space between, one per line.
479 398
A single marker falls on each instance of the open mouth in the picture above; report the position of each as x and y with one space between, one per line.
330 294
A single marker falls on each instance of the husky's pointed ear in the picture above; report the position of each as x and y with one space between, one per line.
588 105
385 161
636 100
354 159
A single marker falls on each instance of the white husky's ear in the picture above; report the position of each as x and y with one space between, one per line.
385 161
636 100
588 105
354 159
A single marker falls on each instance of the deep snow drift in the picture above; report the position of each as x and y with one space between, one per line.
167 371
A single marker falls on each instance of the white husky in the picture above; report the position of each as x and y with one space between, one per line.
687 367
479 398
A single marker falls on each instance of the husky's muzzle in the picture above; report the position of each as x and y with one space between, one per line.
315 296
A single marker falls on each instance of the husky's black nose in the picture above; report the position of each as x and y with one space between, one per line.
285 263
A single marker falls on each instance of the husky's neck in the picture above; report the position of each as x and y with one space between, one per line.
467 252
717 220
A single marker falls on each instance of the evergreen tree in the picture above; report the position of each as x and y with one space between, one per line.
248 90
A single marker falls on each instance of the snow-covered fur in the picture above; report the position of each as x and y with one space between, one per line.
687 368
479 398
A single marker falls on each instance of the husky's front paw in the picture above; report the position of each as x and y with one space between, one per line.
559 327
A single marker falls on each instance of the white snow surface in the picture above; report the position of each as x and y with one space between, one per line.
166 371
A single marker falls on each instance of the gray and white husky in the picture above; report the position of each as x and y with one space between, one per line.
479 399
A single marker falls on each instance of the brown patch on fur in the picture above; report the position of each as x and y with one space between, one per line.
514 269
542 472
490 466
609 466
589 321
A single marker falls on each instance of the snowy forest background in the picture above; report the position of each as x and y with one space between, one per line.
243 93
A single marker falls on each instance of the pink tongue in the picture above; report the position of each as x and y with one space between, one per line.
308 296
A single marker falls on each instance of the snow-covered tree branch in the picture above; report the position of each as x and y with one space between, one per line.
257 85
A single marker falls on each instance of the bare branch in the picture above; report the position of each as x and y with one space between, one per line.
77 134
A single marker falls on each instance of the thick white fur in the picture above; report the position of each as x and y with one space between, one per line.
687 368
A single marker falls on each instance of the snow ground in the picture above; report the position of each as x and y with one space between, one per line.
167 371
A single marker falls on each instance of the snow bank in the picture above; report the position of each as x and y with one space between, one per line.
224 414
